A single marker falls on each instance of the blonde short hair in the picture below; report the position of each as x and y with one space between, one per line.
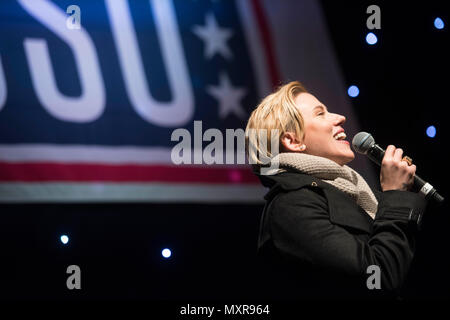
276 114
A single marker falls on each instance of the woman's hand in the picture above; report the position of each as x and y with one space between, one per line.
396 174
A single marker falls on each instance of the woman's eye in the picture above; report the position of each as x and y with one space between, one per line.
320 113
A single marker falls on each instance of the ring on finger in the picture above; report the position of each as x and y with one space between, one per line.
407 159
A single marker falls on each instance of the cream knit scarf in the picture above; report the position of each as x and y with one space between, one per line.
342 177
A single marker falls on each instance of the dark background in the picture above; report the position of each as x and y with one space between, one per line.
403 83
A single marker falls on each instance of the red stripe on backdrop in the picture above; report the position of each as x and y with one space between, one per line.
267 43
45 172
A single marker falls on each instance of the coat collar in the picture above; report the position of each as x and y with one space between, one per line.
287 181
343 209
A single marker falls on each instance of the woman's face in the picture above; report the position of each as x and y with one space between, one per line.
320 128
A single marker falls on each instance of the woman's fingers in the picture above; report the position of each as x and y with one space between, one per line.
389 153
398 155
396 174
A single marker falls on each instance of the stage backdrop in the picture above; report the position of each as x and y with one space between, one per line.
89 98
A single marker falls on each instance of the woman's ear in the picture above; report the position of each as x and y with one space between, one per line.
290 143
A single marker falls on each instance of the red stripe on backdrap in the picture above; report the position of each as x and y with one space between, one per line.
267 43
40 172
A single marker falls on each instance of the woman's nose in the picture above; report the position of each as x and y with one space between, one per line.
340 119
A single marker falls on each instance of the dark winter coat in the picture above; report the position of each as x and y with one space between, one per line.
316 242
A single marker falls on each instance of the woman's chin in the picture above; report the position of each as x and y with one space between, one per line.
349 158
345 158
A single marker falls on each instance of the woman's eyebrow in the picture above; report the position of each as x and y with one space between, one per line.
321 107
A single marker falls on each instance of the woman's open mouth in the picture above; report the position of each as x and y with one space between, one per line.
340 137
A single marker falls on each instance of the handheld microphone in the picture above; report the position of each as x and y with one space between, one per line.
364 143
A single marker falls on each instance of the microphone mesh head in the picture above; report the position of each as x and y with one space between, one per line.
362 141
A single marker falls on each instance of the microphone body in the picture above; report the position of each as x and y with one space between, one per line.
364 143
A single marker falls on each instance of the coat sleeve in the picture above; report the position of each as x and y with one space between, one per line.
301 229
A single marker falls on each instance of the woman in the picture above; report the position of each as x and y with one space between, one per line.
324 232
